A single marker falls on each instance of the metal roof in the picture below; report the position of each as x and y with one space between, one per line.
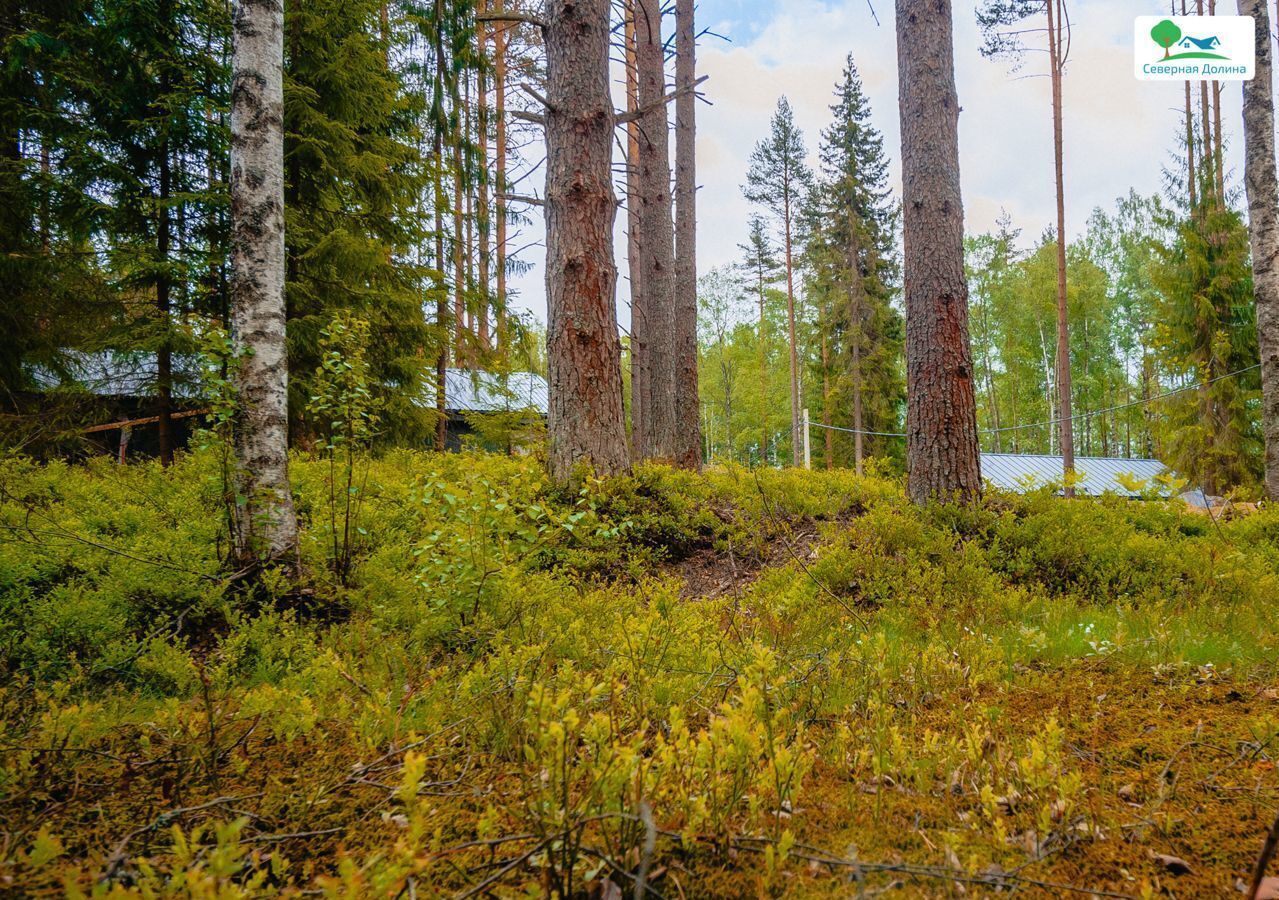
110 373
467 391
1097 474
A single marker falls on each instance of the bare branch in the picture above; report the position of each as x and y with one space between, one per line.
511 16
623 117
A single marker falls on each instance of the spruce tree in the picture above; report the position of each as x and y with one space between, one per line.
853 218
354 178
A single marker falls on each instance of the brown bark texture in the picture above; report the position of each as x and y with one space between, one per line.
641 436
586 421
657 248
266 527
688 434
1262 186
1064 393
941 409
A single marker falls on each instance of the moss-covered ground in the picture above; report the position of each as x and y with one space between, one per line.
734 684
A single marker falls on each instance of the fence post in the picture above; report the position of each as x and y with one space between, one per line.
808 448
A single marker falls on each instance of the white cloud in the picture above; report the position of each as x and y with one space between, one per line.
1118 131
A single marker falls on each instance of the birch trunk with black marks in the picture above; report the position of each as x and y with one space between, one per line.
687 435
941 409
584 355
657 247
1263 228
266 527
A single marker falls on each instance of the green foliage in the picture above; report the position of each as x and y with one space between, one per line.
734 657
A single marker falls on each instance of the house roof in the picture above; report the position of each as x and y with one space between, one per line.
1097 475
466 391
110 373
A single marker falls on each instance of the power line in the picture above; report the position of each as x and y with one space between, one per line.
1058 421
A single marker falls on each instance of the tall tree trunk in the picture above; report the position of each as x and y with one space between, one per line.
1067 429
688 441
483 221
266 527
658 248
164 304
641 428
1190 138
441 265
499 177
828 435
856 308
1218 159
941 411
461 345
763 373
1205 111
796 439
1263 221
586 421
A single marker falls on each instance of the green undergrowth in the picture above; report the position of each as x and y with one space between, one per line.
511 689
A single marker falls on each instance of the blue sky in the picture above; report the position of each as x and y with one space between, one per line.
1118 131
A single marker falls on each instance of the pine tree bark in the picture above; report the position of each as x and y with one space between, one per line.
266 527
687 435
941 410
1262 185
1067 427
856 294
657 250
641 432
763 372
796 439
499 177
461 345
586 421
483 222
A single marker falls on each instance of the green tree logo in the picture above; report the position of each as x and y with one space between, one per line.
1165 34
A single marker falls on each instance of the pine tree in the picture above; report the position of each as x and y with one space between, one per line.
586 421
941 418
1001 22
778 180
761 270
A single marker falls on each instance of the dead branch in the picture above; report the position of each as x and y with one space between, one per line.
633 115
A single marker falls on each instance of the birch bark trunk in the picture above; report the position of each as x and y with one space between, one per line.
266 526
1263 228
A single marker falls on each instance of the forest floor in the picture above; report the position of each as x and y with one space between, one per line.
734 684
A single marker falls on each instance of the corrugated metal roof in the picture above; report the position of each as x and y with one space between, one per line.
109 373
467 391
1097 475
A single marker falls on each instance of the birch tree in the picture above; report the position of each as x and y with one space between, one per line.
266 527
1263 219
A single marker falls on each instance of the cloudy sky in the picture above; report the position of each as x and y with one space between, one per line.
1119 132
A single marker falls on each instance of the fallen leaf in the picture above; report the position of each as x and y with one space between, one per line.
1174 864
